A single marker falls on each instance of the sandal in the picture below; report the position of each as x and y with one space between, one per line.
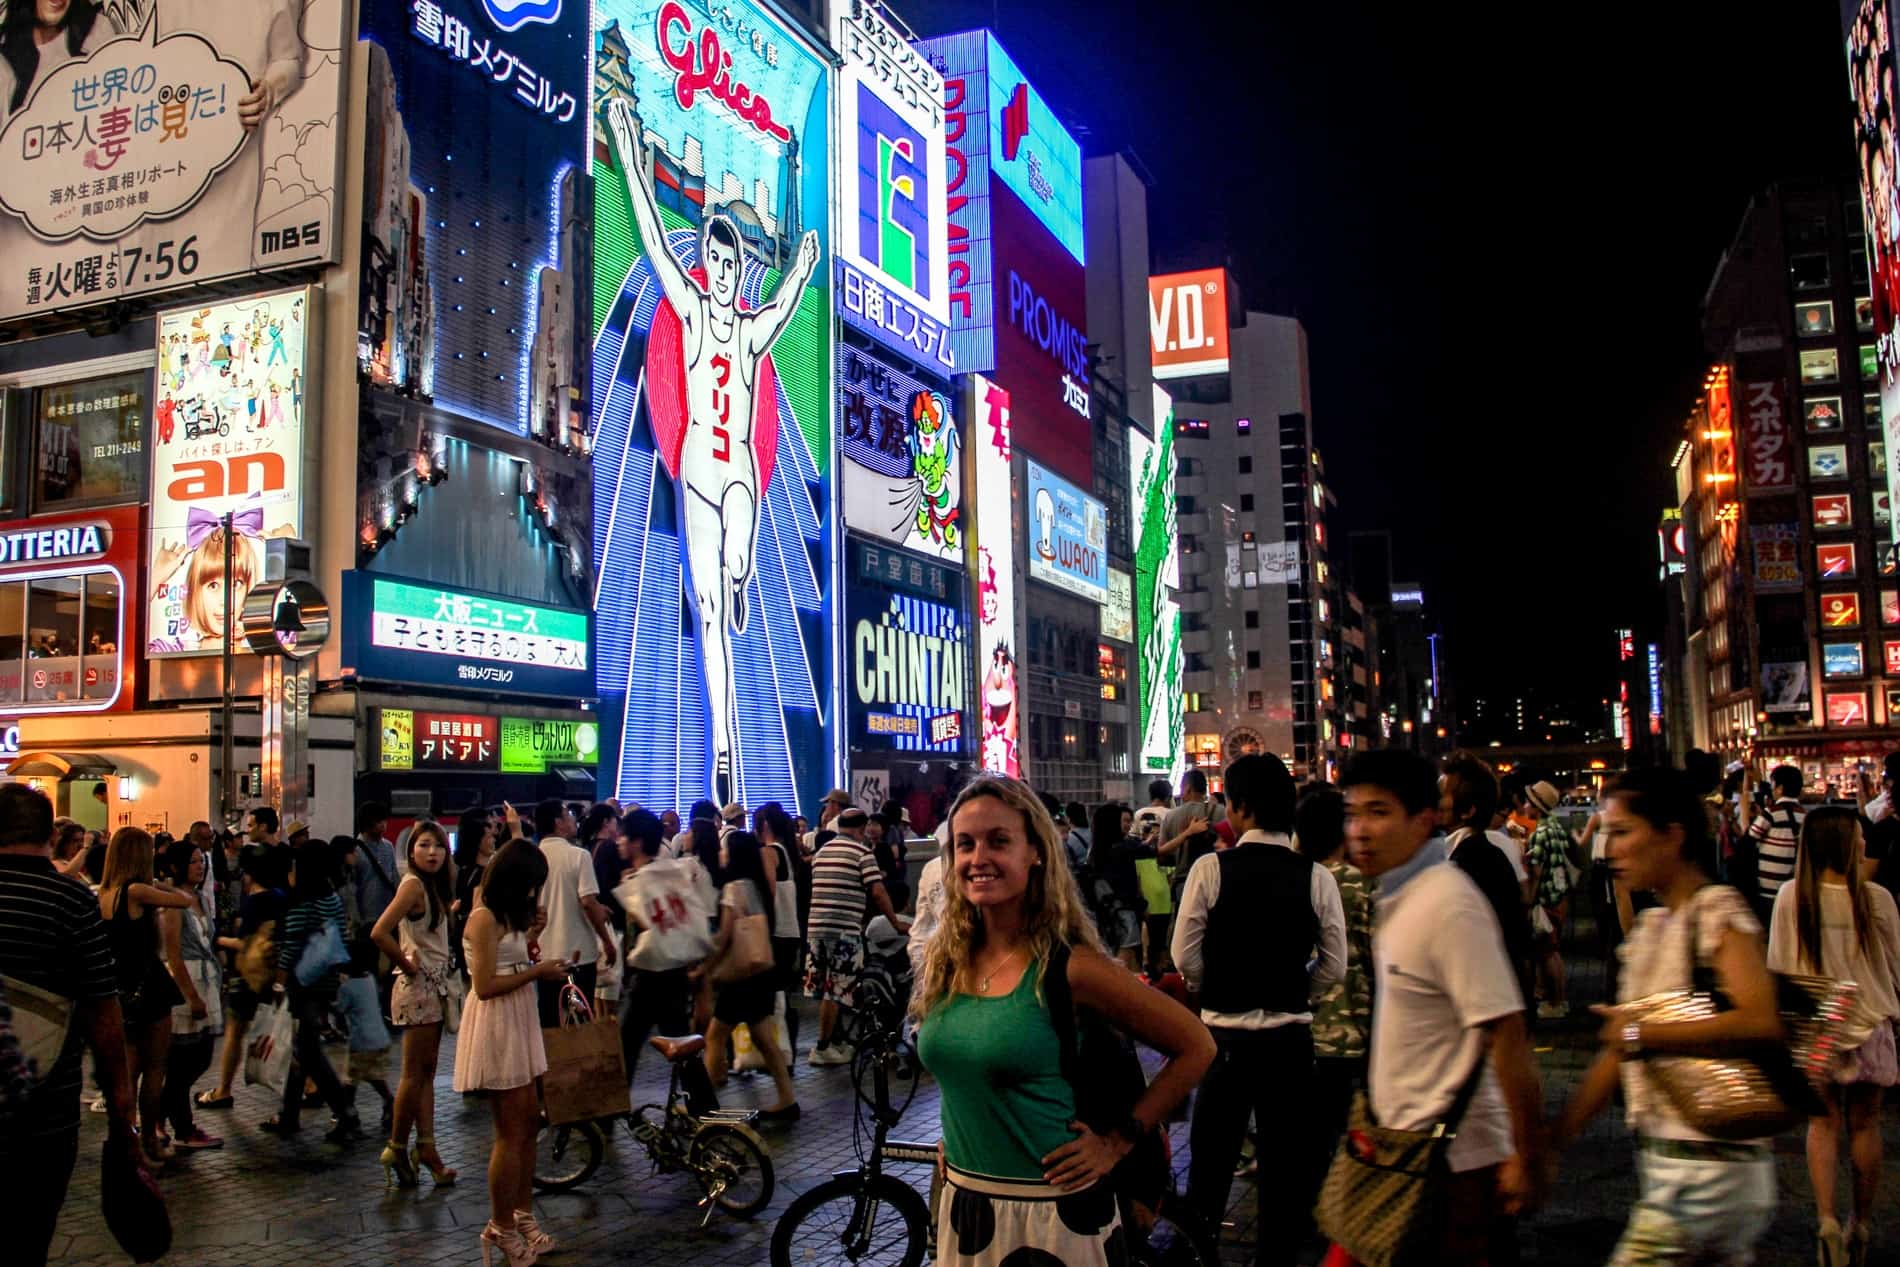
276 1126
205 1100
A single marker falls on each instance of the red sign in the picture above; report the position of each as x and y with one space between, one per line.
1767 450
1834 561
1893 658
1187 323
457 741
69 668
1890 607
1041 297
1840 611
1833 510
1846 708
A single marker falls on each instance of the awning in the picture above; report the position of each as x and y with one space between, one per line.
63 766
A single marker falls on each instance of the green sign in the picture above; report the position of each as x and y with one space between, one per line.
529 745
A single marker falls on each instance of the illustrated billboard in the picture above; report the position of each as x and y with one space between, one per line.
1068 535
1784 686
227 437
475 286
903 457
1876 97
1187 323
713 531
908 656
998 690
410 631
893 263
1162 713
161 145
409 740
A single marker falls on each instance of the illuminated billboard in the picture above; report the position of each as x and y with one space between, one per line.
1870 59
1187 323
893 261
1041 344
227 438
1162 713
997 690
903 457
907 653
713 526
160 145
411 631
1068 535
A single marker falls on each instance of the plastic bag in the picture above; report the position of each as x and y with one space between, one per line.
267 1059
745 1049
675 922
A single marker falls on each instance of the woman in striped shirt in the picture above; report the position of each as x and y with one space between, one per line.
313 904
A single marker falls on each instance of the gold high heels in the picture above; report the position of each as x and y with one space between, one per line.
398 1170
443 1175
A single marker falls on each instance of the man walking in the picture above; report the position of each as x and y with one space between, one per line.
1547 856
578 929
1252 920
845 882
1777 836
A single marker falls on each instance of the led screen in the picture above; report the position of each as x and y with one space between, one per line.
1870 59
997 690
1162 712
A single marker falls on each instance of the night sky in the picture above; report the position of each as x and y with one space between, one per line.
1498 236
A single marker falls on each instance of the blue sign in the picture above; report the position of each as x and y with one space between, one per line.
416 632
868 305
1033 152
1068 536
907 657
1841 659
511 15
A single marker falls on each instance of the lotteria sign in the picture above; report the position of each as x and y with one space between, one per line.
54 545
412 631
909 659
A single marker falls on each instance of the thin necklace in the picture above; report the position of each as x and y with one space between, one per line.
983 985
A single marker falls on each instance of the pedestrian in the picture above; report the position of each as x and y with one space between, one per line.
1702 1200
749 1000
251 942
1830 921
1187 832
578 930
779 836
1883 833
260 827
1776 834
846 882
659 996
1260 929
130 899
314 907
1342 1012
670 825
1547 856
891 850
1111 865
425 1000
191 953
1023 1177
359 1010
1609 901
1448 1017
53 939
499 1050
71 846
374 872
1467 798
1157 891
474 849
1076 842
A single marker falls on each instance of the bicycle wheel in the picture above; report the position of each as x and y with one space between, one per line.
879 1222
566 1156
1178 1238
727 1152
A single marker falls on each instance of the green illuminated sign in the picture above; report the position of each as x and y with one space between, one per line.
529 745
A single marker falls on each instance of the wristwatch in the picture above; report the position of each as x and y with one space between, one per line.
1633 1041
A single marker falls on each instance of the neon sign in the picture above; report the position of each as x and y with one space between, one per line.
1068 545
1162 708
903 449
707 67
531 745
998 693
910 670
33 545
411 631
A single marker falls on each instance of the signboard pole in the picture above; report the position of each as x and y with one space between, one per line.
227 769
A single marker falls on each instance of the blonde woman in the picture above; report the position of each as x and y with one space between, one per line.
1830 921
1021 1171
130 899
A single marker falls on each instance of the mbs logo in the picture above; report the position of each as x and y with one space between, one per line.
893 195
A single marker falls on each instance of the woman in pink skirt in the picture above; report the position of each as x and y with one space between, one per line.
1830 921
499 1049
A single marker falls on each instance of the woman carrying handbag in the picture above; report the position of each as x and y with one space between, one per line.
741 969
1703 1199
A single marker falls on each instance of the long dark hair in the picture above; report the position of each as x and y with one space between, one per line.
705 834
773 815
439 887
468 837
1105 832
1663 797
511 887
597 817
17 44
318 867
1831 840
1319 822
745 860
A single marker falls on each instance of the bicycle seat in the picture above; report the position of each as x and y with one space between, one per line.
674 1050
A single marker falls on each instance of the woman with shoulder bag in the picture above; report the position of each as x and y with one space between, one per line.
746 1000
130 899
309 952
773 826
1021 1172
1703 1200
192 953
1829 921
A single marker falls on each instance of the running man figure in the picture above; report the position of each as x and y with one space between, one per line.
721 349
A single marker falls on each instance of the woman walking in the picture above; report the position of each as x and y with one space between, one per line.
1015 948
780 839
427 995
191 952
499 1049
314 912
130 901
749 1001
1829 921
1703 1200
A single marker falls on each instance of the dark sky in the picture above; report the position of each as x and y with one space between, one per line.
1498 237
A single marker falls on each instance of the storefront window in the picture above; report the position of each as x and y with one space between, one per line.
88 444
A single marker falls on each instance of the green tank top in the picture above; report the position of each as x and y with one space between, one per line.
998 1064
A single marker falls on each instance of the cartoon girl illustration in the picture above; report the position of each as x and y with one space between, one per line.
274 405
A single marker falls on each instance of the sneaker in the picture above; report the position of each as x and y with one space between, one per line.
836 1054
1552 1011
196 1141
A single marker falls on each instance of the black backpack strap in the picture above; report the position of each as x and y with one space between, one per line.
1060 1000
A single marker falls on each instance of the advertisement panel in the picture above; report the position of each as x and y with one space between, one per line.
89 441
1834 561
1872 81
1841 659
1162 714
534 745
997 692
893 264
1767 445
412 740
1840 611
413 632
909 660
712 376
903 457
1068 536
1833 510
227 438
1041 345
1784 686
1032 152
69 594
160 145
474 290
1118 615
1777 549
1187 323
1846 708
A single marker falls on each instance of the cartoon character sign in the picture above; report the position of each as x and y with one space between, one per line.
903 457
935 486
999 713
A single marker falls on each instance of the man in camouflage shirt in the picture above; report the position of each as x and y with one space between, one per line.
1547 857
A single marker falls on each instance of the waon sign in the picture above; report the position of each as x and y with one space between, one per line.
1767 447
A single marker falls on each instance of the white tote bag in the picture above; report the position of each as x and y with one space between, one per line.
267 1061
664 899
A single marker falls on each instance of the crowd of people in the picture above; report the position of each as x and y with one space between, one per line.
1279 946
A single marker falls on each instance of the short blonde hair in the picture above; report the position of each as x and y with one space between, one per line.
207 565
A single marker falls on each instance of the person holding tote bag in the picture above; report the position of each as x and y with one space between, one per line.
741 969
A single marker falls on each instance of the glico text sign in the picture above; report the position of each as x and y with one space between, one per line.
227 439
903 450
1068 536
1187 323
909 660
411 631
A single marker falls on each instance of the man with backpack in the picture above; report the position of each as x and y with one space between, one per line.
1259 930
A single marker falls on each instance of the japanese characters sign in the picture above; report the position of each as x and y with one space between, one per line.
1767 448
1777 556
909 660
227 438
438 741
414 632
531 745
162 145
903 450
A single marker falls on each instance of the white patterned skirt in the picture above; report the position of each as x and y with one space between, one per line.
985 1222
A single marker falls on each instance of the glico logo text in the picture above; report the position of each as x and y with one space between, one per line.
1047 328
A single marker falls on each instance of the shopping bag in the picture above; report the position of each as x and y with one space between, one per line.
129 1199
745 1044
587 1076
675 925
267 1059
748 953
356 999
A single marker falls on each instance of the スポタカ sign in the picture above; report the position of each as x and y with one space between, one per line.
161 145
1068 536
909 663
533 745
414 632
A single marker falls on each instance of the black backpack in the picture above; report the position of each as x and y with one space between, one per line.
1105 1073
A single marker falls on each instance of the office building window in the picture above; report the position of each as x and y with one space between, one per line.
1246 464
1256 701
1253 620
89 442
1809 272
1185 504
1253 659
1246 503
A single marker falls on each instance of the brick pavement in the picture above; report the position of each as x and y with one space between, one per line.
261 1202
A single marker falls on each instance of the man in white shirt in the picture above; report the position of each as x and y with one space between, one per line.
1259 931
1448 1031
577 929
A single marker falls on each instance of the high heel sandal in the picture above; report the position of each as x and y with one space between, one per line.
444 1176
398 1170
538 1241
1830 1248
514 1251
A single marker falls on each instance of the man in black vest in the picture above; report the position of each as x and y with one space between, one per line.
1260 929
1468 793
